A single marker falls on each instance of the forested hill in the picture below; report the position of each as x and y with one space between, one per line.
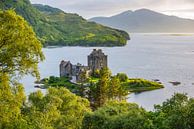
55 27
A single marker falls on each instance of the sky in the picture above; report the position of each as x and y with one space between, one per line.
93 8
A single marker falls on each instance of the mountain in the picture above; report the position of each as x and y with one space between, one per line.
55 27
147 21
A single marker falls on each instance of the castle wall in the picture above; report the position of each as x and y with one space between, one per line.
96 61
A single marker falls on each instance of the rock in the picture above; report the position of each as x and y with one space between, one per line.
37 86
156 80
41 86
175 83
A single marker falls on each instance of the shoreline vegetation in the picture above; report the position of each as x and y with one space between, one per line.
132 85
101 86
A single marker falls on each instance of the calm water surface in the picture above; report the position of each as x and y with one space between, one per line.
163 57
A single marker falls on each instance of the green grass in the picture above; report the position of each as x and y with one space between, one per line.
59 82
140 85
132 85
186 34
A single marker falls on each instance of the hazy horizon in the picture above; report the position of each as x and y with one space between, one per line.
95 8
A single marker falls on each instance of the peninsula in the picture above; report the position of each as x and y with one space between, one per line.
55 27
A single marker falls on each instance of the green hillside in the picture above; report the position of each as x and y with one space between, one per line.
55 27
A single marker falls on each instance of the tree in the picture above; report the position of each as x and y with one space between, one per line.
20 50
83 79
11 103
122 77
107 88
175 113
58 109
116 90
117 115
102 87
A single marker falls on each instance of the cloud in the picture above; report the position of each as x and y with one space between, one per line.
91 8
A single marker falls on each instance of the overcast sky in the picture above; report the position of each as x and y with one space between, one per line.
93 8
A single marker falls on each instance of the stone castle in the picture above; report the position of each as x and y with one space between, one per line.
96 61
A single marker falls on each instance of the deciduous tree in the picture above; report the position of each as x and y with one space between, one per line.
20 50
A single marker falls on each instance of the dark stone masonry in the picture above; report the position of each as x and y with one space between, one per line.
96 61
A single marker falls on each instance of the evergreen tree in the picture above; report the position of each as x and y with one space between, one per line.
114 88
102 87
83 80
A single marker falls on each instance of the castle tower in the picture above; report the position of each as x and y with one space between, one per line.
97 60
65 69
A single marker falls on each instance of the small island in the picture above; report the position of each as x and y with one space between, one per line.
75 76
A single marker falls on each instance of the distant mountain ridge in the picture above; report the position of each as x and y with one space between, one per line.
147 21
55 27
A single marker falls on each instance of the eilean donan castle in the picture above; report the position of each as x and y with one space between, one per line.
96 61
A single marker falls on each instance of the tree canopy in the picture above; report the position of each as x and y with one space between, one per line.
20 50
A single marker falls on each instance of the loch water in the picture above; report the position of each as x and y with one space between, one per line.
151 56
